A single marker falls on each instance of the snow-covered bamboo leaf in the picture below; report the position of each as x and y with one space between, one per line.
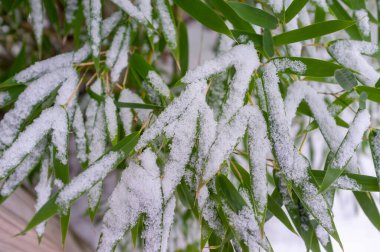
80 136
305 66
168 25
341 13
142 13
295 167
111 120
374 143
37 15
92 11
117 55
349 54
346 149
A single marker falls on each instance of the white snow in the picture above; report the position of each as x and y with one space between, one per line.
167 24
92 12
111 118
361 17
80 135
158 84
4 97
348 53
87 179
38 17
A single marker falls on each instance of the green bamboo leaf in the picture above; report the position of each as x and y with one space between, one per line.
369 207
138 105
231 15
268 43
314 67
311 31
46 212
254 15
340 12
183 48
365 183
9 83
229 193
335 169
372 92
294 8
13 92
277 211
204 14
346 79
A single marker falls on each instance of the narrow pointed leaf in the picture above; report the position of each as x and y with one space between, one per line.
294 8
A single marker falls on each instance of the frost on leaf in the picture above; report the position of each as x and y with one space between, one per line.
138 192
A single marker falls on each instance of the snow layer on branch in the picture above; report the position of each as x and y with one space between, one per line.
92 12
87 179
111 118
4 98
361 17
348 53
126 114
37 15
23 170
139 191
43 190
244 59
167 24
172 112
292 163
28 139
80 135
353 138
117 55
132 10
71 8
158 84
36 92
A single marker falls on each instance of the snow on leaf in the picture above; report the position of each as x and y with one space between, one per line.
117 55
111 119
37 15
349 54
293 164
43 190
138 192
158 84
35 93
88 178
126 114
27 140
92 12
80 135
71 8
167 23
142 13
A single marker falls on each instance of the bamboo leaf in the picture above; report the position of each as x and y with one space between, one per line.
183 48
138 105
346 79
268 43
294 8
204 14
311 31
369 207
254 15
